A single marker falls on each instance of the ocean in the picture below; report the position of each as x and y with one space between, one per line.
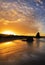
20 52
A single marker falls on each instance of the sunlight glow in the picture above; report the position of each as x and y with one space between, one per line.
9 33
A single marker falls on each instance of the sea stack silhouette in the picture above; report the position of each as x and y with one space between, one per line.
38 35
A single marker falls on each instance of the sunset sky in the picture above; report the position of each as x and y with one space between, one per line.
22 16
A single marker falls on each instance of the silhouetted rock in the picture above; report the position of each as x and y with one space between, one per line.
29 39
38 35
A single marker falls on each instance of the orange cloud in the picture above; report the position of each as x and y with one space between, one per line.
18 18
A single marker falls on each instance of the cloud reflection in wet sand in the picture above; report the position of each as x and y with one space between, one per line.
21 53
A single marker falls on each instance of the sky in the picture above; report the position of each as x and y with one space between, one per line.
22 16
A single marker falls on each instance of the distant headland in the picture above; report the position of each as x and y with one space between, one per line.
5 37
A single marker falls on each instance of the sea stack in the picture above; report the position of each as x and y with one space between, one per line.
29 39
38 35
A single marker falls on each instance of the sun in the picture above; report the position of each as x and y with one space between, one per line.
8 32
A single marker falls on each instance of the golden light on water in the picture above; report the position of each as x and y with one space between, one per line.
7 43
9 32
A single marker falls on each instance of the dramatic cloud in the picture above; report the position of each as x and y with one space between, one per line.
20 13
39 1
